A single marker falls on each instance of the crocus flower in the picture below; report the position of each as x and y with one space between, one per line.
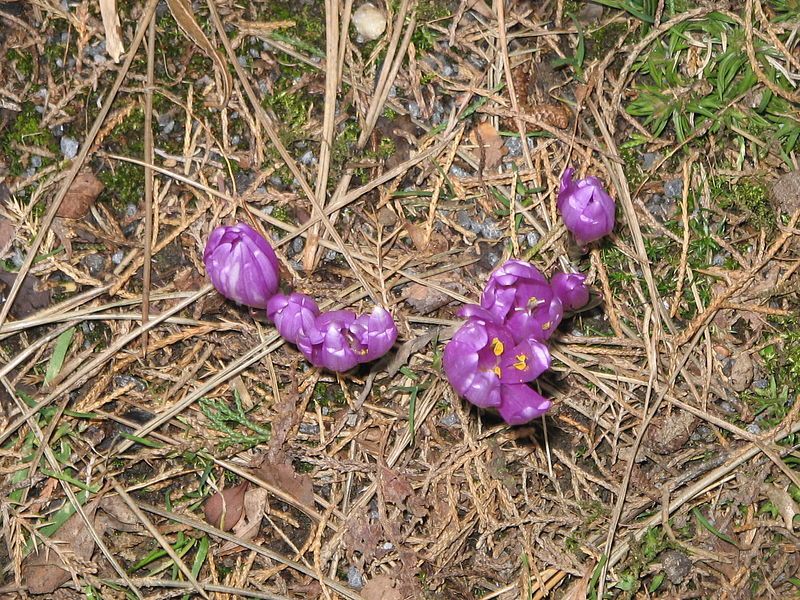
486 366
242 265
291 314
586 207
570 289
520 297
338 340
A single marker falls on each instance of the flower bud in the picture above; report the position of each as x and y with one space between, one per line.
291 314
586 207
242 265
571 289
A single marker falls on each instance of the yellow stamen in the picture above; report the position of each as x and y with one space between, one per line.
497 347
546 325
522 362
496 371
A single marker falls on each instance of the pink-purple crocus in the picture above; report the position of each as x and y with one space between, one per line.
487 367
571 290
519 296
242 265
586 208
339 340
291 314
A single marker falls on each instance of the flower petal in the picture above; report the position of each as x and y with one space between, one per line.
522 404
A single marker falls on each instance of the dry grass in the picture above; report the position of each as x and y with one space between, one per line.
131 392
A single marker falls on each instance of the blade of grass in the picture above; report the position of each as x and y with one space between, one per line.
59 354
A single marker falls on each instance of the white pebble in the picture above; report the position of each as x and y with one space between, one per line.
369 21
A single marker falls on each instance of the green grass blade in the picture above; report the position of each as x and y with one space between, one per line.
59 354
707 525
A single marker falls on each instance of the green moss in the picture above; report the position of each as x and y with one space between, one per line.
603 39
125 181
748 196
291 107
23 62
326 394
26 131
309 23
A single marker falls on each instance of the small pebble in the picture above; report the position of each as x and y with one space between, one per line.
514 147
69 147
117 257
676 565
36 161
413 110
354 577
532 238
649 159
673 188
449 420
457 171
121 381
308 159
369 21
298 244
761 383
95 263
309 428
753 428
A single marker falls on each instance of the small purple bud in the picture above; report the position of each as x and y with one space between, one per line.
291 314
242 265
571 289
375 332
586 207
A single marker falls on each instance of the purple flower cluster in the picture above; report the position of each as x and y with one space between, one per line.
243 267
502 346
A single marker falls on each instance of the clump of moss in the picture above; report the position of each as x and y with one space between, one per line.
23 62
125 182
26 130
748 196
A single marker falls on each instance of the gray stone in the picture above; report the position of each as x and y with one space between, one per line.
449 420
95 264
649 159
69 147
117 257
121 381
673 188
36 161
676 565
354 577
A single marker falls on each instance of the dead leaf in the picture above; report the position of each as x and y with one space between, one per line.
396 488
29 298
46 571
381 588
785 504
490 145
417 235
114 47
425 299
80 196
255 503
7 234
225 508
742 372
182 13
668 434
283 476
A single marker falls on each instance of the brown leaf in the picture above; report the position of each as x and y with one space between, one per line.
29 298
80 196
284 477
225 508
396 487
46 571
785 504
381 587
7 233
490 145
668 434
255 503
184 16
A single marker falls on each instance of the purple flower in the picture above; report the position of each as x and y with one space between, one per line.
570 289
242 265
486 366
518 295
586 207
339 340
291 314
